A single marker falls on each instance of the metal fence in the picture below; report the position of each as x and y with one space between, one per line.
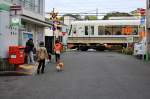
5 66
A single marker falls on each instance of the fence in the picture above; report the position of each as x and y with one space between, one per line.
5 66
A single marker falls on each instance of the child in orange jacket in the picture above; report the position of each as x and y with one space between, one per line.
57 50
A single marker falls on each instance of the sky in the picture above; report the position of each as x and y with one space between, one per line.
103 6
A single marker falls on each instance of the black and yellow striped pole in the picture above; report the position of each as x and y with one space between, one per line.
54 19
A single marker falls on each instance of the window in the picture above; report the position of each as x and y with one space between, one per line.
109 30
89 30
101 30
92 30
86 30
37 6
134 30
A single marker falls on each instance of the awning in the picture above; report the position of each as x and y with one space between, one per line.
4 7
36 21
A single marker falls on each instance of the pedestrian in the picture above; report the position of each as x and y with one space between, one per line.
57 50
42 55
29 51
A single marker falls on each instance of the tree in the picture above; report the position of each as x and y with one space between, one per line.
115 14
90 17
75 16
61 18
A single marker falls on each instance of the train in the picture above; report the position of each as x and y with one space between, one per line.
101 34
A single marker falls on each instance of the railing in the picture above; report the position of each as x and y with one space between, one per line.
103 39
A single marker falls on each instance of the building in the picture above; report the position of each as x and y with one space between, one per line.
148 24
68 18
19 21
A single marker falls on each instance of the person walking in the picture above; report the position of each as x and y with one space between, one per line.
42 55
57 50
29 51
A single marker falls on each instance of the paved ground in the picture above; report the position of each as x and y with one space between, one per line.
87 75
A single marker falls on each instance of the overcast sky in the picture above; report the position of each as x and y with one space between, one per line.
76 6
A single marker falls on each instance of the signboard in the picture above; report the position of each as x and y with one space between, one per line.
26 37
15 21
141 11
15 10
142 21
15 7
130 39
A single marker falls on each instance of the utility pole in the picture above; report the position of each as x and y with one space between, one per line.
97 13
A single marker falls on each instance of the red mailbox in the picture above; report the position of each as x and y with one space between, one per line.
16 54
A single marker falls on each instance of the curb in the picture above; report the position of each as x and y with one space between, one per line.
22 70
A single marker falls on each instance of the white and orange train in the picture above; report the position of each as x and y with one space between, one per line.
98 34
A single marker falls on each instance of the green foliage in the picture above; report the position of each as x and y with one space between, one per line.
75 16
127 51
61 18
115 14
91 17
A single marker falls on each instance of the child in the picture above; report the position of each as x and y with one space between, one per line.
57 50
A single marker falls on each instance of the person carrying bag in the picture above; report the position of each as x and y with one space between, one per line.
42 55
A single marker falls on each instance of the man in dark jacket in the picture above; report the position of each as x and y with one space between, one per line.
29 51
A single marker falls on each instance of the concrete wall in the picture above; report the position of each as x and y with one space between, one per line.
148 40
148 25
33 14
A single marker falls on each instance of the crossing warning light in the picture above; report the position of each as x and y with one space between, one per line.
141 11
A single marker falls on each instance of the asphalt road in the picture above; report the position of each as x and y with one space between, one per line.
87 75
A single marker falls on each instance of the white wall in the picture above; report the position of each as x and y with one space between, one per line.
33 14
65 37
68 20
9 36
48 32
